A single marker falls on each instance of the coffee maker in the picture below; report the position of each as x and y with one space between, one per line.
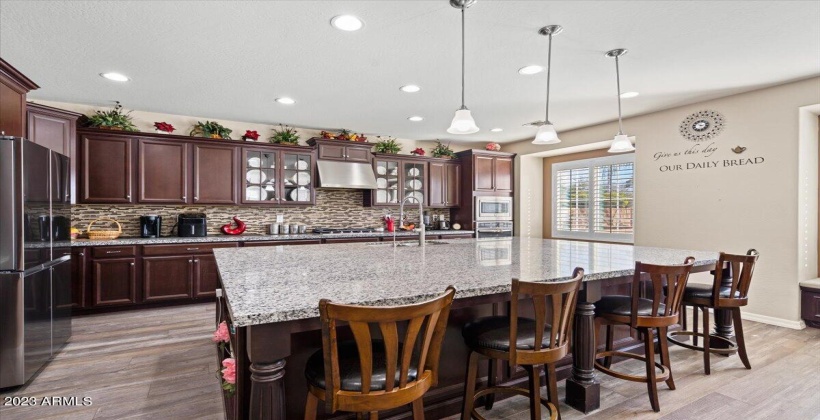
150 226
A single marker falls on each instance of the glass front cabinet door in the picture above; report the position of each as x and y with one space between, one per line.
260 175
297 178
387 182
414 181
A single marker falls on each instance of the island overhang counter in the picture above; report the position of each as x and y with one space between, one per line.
270 298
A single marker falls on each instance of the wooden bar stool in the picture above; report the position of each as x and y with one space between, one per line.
491 337
728 291
645 315
370 375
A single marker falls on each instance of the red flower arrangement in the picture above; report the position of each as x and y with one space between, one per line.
164 126
227 375
418 151
250 135
493 147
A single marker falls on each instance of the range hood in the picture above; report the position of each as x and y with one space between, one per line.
340 174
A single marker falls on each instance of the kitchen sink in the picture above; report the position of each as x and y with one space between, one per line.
406 243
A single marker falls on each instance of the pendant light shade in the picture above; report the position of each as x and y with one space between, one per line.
547 134
620 143
463 122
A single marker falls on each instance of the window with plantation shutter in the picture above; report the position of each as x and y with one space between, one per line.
594 199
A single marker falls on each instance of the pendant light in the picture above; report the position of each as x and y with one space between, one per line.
546 133
621 142
463 122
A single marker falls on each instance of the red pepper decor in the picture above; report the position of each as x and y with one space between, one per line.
230 230
418 151
164 126
250 135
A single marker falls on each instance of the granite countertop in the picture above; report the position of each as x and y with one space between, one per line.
249 238
274 284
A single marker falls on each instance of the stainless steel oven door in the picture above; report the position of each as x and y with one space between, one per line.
493 208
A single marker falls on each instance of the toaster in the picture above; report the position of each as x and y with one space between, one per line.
192 224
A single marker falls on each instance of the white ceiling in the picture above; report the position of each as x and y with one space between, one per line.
229 60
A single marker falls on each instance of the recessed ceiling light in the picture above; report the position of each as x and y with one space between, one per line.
117 77
347 23
410 88
415 118
285 100
528 70
496 130
627 95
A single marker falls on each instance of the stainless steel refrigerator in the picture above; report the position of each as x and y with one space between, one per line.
35 258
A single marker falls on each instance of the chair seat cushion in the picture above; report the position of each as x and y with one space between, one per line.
350 368
493 332
622 305
704 291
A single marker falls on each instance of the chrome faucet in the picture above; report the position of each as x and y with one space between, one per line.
421 218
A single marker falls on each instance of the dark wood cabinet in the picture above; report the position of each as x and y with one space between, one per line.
483 173
503 175
484 167
114 281
810 305
51 127
445 184
162 172
205 276
106 169
398 177
13 89
280 243
342 150
215 174
165 278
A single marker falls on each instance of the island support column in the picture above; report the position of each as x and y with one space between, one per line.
583 391
268 346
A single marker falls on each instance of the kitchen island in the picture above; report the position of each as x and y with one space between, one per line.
271 296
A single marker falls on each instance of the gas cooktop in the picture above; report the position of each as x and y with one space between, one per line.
343 230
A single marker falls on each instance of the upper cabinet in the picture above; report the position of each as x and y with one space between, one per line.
13 89
445 184
397 178
491 172
106 168
349 151
215 174
51 127
280 176
163 171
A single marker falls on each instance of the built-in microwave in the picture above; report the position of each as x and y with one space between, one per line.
493 208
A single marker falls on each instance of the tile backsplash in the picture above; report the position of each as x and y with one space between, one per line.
334 208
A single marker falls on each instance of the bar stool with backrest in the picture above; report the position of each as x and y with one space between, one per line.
645 315
370 375
729 291
491 337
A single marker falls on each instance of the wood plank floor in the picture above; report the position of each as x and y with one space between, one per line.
160 364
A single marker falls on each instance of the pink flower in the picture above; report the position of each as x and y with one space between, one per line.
229 373
222 334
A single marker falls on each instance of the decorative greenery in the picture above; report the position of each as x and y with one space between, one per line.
387 145
284 135
114 118
442 151
211 129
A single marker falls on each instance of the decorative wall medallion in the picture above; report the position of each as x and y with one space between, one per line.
702 125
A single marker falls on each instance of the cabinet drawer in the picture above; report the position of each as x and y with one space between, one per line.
457 236
114 251
349 240
184 249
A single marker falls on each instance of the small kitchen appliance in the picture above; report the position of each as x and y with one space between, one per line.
192 224
488 208
151 226
443 224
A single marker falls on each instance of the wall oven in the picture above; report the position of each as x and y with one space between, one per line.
493 208
493 230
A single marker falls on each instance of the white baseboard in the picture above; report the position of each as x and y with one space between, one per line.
780 322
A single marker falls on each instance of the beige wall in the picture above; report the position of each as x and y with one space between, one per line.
728 208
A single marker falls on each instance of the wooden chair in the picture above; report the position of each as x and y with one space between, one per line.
370 375
491 337
645 315
729 291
